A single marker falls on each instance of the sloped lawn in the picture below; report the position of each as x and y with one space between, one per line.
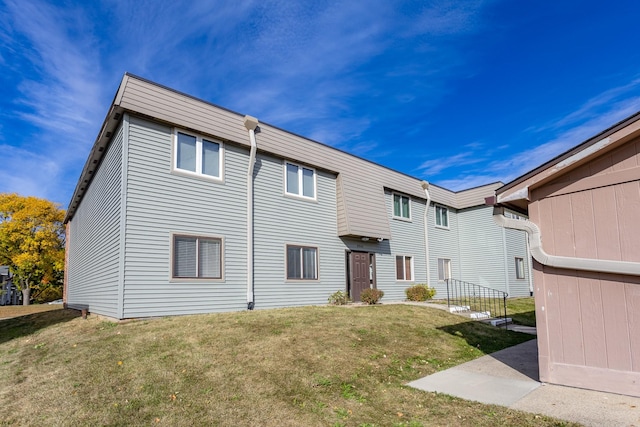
311 366
522 310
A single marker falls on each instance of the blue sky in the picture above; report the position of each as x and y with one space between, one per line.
460 93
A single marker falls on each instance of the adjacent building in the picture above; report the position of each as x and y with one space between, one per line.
584 209
186 207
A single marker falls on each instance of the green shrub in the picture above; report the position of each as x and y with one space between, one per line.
420 292
371 296
339 298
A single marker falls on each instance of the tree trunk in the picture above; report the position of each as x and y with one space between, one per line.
26 294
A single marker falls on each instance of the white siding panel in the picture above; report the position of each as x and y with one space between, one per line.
93 274
160 203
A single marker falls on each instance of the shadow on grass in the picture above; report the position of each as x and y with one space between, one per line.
486 338
499 344
21 326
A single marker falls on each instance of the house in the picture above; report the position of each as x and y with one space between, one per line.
185 207
9 293
584 210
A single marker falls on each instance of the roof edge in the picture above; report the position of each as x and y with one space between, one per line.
570 152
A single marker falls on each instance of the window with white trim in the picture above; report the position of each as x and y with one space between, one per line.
404 267
197 155
519 268
401 206
442 216
300 181
302 262
196 257
444 269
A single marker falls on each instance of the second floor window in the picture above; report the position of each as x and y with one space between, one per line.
300 181
401 206
198 155
442 216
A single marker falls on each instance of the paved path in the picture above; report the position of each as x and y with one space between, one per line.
510 378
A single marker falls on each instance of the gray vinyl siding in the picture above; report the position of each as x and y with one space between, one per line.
481 248
443 243
279 220
94 244
407 238
516 246
160 203
121 232
362 210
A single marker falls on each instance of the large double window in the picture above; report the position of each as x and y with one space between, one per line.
401 206
197 257
302 262
198 155
300 181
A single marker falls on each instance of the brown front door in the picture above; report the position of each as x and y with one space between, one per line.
360 275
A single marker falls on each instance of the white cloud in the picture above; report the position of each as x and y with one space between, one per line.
527 160
29 173
596 116
436 166
599 107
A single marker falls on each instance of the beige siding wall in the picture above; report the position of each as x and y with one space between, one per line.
475 196
589 331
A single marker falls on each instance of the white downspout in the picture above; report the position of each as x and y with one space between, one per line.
529 267
251 123
572 263
425 187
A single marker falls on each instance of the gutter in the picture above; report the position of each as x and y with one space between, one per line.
572 263
251 123
425 187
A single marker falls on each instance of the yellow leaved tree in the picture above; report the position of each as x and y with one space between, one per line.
31 242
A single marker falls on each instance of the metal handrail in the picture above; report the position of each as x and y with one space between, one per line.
465 296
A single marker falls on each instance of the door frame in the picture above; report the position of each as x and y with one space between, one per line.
371 256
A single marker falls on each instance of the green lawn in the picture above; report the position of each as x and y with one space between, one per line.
522 310
311 366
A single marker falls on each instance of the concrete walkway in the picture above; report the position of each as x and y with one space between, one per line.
510 378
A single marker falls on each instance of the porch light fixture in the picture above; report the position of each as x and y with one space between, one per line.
365 239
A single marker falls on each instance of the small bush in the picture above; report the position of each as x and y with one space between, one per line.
371 296
420 292
339 298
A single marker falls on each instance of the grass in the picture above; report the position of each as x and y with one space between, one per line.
312 366
522 310
22 310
